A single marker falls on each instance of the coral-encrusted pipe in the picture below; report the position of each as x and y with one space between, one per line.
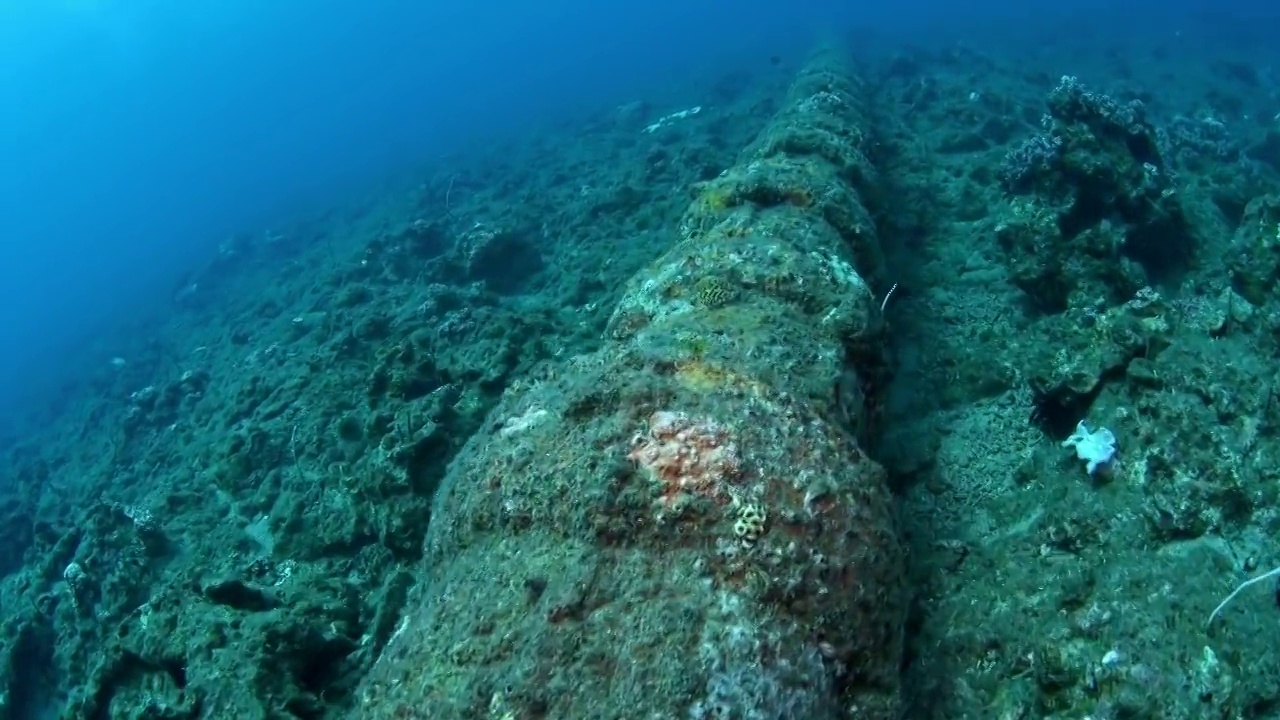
683 524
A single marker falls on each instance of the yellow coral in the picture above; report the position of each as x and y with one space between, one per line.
704 376
717 200
712 292
751 521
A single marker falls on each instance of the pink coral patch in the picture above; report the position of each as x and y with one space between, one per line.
688 456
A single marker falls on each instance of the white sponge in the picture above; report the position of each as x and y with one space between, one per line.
1096 447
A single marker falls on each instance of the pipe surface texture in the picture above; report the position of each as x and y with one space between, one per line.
682 524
